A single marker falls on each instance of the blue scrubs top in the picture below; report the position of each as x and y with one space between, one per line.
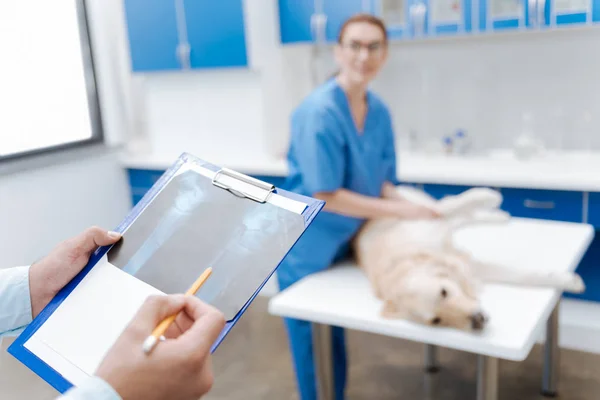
327 153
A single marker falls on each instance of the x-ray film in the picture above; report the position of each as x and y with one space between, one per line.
193 224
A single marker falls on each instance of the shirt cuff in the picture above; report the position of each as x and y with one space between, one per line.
15 312
93 388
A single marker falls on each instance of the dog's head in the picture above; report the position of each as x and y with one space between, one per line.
439 293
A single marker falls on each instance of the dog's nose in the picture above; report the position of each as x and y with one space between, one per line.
478 320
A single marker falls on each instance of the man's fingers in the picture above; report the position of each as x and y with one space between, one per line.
156 308
208 324
181 324
95 237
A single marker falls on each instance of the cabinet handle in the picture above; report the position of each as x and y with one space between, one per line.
533 12
183 54
417 17
546 205
183 48
318 22
541 8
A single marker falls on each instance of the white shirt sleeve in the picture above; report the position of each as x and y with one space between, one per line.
15 300
93 388
15 315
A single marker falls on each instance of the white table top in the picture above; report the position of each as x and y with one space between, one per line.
342 295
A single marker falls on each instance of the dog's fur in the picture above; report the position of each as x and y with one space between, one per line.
419 275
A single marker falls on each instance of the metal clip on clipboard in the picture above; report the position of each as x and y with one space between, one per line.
266 187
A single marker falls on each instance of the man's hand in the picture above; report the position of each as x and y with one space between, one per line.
49 275
177 368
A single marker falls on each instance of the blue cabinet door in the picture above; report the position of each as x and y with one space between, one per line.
593 209
396 16
498 15
216 33
295 20
448 17
569 12
338 11
544 204
152 31
440 191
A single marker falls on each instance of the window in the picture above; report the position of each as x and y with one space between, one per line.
48 97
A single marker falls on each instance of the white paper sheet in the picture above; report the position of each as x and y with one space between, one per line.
76 337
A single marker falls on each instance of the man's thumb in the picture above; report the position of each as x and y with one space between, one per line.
95 237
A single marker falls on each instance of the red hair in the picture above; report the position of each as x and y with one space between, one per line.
367 18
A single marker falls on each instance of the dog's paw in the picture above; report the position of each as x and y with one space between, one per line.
574 284
569 282
491 216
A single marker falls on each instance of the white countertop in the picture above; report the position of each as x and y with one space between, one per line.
561 171
343 297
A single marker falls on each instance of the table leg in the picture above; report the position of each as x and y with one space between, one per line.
487 378
431 363
551 356
323 354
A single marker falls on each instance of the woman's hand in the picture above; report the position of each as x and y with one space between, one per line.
49 275
410 210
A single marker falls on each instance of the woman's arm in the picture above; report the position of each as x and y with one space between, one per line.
353 204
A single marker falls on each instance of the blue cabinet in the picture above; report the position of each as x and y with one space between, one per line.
539 14
180 34
593 209
544 204
304 21
216 33
295 20
448 17
498 15
397 17
439 191
570 12
152 32
337 12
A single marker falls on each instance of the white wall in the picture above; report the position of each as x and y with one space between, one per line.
41 207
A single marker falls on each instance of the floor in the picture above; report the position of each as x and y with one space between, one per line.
254 363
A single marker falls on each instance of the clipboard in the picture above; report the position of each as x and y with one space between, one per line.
195 216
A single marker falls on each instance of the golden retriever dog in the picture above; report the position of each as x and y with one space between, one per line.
419 275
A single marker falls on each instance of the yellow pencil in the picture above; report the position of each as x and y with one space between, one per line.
160 330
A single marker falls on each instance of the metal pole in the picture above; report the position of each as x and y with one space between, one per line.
551 356
487 378
431 363
323 354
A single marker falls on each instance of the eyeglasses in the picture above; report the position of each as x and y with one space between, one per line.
373 48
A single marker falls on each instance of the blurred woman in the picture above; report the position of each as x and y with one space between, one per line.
342 151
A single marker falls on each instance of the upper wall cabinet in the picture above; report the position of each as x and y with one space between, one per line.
497 15
422 18
185 34
569 12
403 18
536 14
316 21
